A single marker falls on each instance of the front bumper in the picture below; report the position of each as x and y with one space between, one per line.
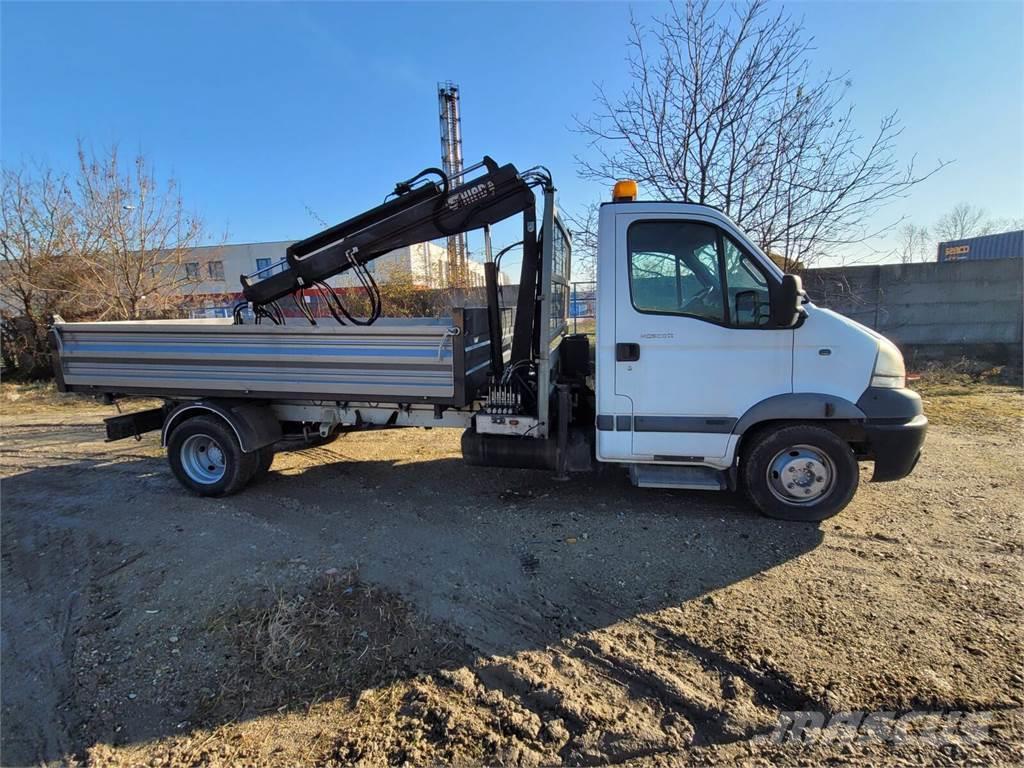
895 448
895 429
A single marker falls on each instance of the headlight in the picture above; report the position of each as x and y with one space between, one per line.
889 369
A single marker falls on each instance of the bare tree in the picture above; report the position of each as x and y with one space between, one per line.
104 243
914 243
37 273
583 224
964 220
134 239
1009 224
725 109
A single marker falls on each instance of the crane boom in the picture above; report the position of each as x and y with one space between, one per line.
423 208
428 206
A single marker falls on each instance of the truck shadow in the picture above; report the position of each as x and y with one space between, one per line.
116 583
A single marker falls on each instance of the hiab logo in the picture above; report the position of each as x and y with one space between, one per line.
472 195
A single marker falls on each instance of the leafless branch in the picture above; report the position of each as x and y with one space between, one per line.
725 109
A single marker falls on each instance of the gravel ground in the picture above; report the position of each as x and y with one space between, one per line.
374 601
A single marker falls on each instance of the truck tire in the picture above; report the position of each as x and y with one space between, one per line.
206 458
801 472
264 460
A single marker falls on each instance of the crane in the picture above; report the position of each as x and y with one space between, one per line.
430 205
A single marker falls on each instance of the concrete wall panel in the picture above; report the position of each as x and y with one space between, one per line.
956 307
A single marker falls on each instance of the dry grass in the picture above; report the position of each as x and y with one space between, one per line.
36 394
17 398
964 376
969 393
336 639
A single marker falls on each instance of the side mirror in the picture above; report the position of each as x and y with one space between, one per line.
746 309
786 302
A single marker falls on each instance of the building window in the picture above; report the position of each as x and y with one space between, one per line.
192 270
215 270
262 264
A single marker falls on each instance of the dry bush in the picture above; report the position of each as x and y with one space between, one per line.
964 376
972 394
336 639
38 270
110 241
16 395
401 296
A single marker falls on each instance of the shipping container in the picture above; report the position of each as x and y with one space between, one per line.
1005 245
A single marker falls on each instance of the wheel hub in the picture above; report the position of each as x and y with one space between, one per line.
801 474
202 458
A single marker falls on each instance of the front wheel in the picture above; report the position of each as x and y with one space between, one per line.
801 472
206 458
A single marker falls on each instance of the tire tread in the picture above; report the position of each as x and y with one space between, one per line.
763 446
240 466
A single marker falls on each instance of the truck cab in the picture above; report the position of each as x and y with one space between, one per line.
712 368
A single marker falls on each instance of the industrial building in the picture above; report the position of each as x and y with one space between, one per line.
217 268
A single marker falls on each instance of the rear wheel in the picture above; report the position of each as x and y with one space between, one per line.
800 472
206 458
264 459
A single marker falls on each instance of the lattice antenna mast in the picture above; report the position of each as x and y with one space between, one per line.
451 163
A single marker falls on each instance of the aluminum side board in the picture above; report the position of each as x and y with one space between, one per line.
417 360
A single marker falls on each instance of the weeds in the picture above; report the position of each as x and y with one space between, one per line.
964 377
37 393
971 394
338 638
33 396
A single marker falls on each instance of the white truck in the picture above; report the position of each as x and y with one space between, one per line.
711 370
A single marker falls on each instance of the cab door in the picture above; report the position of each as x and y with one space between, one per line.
693 350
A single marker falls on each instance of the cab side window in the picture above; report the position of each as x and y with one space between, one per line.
674 269
747 288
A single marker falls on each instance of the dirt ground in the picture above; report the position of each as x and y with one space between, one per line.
376 602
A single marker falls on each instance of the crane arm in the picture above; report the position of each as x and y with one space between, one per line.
422 209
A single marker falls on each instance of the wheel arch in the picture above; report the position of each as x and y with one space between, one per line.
253 424
799 406
834 413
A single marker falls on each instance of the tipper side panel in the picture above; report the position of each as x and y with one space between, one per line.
415 360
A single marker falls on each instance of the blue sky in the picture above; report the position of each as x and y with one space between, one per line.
263 110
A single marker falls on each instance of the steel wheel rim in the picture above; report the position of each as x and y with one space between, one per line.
202 458
801 475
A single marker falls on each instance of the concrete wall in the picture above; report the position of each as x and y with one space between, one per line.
971 308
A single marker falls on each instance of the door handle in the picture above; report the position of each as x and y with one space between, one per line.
627 352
